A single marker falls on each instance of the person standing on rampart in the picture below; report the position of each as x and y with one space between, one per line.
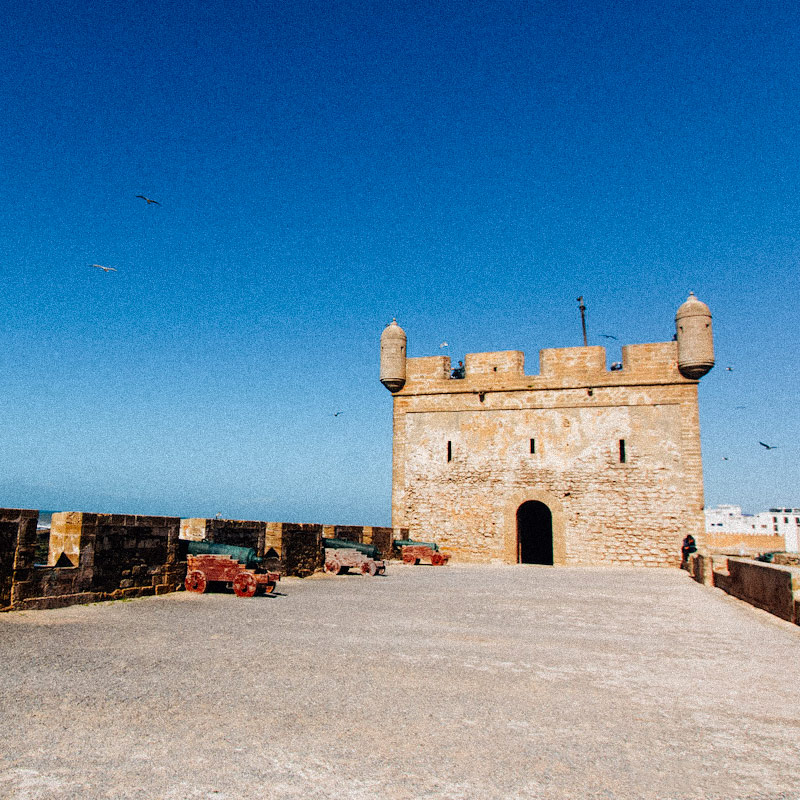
688 547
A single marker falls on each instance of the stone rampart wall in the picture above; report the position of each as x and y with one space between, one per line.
95 557
772 587
743 544
17 535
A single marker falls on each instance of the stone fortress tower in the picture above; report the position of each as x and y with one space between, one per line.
577 465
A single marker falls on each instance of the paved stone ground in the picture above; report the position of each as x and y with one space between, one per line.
450 683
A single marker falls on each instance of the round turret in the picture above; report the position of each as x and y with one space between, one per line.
393 357
695 339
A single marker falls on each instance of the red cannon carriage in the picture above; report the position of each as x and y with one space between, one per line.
340 556
214 563
413 552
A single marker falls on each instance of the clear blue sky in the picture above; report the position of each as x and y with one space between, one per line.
467 167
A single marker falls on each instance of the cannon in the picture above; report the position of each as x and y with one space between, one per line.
210 562
413 552
342 556
244 555
369 550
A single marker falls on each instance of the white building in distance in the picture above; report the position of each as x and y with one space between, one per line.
777 521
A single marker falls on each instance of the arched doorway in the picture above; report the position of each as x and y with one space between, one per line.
534 533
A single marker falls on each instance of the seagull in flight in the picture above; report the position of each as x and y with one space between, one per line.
148 200
607 336
724 458
444 344
105 269
336 413
728 369
768 446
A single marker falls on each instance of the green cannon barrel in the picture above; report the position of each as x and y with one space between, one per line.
398 543
369 550
244 555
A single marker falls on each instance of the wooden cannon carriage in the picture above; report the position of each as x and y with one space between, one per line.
341 556
238 567
413 552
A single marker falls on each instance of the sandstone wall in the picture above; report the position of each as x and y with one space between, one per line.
17 534
463 461
742 543
771 587
110 556
787 559
95 557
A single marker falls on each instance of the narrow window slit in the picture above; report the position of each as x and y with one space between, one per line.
449 451
533 445
622 451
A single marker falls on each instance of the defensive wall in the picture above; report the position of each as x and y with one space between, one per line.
743 544
773 587
88 557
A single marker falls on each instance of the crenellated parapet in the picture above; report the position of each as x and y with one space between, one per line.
561 367
684 360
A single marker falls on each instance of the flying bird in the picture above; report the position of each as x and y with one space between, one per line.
728 369
724 458
105 269
444 344
607 336
336 413
768 446
148 200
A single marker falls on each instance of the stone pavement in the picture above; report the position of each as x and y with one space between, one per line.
450 683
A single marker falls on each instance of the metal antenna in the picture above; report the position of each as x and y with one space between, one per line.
583 320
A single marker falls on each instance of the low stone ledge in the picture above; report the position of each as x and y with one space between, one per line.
771 587
58 601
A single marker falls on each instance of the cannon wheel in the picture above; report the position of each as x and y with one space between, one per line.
437 559
332 566
244 585
410 558
196 581
369 568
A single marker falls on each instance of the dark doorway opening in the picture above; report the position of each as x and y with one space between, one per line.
534 533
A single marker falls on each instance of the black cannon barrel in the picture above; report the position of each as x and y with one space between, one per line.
244 555
369 550
408 542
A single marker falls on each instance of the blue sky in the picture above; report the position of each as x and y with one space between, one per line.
469 168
